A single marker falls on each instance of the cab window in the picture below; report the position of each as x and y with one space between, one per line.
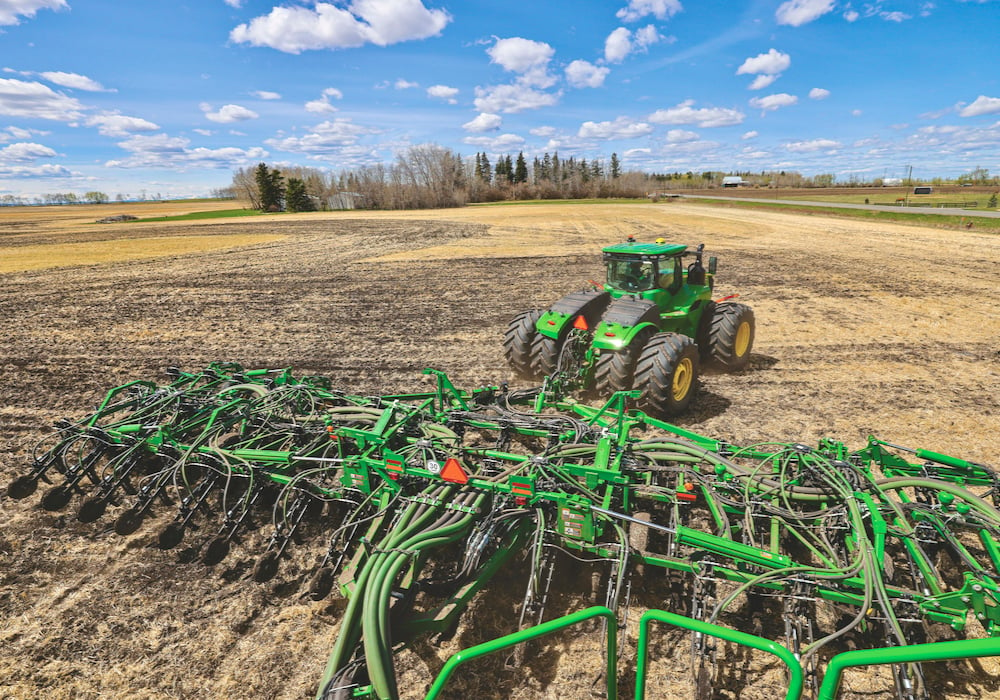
632 275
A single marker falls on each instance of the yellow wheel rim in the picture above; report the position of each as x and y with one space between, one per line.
742 343
683 376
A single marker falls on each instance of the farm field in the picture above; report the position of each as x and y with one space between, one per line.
862 328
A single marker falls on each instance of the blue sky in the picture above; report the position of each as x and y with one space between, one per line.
157 98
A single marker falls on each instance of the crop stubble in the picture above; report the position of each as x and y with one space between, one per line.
862 328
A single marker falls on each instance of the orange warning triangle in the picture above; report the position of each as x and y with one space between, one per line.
452 471
580 323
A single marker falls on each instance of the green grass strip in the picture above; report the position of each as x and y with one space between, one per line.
220 214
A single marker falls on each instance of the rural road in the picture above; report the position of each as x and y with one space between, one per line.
993 214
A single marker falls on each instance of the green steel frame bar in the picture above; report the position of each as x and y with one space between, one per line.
794 667
507 641
915 653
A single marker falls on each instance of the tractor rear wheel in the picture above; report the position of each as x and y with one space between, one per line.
615 370
518 339
731 336
667 374
545 355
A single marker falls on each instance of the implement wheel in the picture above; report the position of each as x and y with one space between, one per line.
518 339
667 374
616 369
731 336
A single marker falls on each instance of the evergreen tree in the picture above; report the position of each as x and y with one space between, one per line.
270 185
616 167
485 173
521 169
296 198
546 173
501 170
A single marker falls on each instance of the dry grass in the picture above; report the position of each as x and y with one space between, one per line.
862 329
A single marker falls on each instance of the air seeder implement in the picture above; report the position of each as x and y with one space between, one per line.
649 328
415 502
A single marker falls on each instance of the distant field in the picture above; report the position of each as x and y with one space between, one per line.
45 256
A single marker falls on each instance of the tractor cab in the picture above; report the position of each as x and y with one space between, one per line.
653 271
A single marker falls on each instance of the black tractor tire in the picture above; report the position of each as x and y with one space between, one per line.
615 369
518 339
667 374
703 336
731 336
545 355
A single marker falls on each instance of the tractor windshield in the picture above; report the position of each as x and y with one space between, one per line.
632 275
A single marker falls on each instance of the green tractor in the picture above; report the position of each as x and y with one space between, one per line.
648 329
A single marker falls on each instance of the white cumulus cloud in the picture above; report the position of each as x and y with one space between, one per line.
511 99
812 146
583 74
74 81
618 45
705 117
620 128
528 59
762 81
483 123
795 13
33 100
381 22
495 144
519 55
401 84
119 125
12 10
266 95
621 42
982 105
637 9
749 135
772 102
443 92
25 152
330 137
228 114
769 63
681 136
543 131
819 94
322 105
163 151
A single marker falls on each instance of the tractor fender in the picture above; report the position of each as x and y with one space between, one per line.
604 342
625 318
561 316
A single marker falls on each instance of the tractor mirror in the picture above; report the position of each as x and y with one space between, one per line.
713 263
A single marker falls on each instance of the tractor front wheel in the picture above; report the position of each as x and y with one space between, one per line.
616 369
731 336
518 339
667 374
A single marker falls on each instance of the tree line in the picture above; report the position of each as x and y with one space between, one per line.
431 176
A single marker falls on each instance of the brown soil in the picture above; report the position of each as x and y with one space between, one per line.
862 328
